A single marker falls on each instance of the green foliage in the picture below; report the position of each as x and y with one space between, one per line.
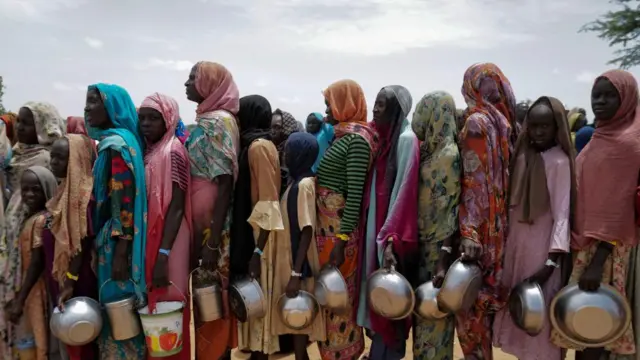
2 110
620 28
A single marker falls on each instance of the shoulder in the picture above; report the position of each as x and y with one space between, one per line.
476 123
408 137
307 185
556 157
263 146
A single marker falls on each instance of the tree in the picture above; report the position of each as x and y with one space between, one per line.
620 28
2 111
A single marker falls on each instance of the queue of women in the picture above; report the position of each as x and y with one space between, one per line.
249 193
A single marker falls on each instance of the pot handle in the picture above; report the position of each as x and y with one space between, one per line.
136 289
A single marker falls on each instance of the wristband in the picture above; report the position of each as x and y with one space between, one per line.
70 276
164 252
343 237
295 274
257 251
552 263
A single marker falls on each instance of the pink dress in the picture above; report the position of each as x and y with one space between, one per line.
526 251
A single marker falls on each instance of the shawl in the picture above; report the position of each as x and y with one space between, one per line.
324 137
349 108
300 154
123 137
68 208
289 126
215 83
75 125
393 204
10 122
607 172
434 124
255 123
528 179
486 90
158 175
572 118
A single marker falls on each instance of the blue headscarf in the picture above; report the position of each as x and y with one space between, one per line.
324 137
123 137
583 136
300 152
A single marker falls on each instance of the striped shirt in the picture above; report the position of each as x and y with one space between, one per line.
344 169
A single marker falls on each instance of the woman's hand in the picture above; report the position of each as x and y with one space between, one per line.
14 310
293 287
441 269
161 272
388 258
541 276
210 256
255 265
591 278
120 263
65 295
337 253
470 250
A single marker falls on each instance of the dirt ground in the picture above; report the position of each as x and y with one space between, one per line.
314 355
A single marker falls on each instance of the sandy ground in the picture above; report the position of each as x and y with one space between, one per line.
313 353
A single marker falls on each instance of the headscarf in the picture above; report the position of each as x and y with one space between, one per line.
158 175
289 126
572 118
68 208
215 83
607 171
254 117
529 179
583 136
123 137
434 123
10 123
301 152
75 125
181 131
503 113
349 108
324 137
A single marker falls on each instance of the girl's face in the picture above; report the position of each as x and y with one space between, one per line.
152 124
541 127
60 158
27 133
605 100
32 192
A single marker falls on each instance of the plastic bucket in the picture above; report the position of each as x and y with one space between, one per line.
163 328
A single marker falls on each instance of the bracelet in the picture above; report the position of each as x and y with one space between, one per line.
257 251
215 248
164 252
70 276
447 249
343 237
296 274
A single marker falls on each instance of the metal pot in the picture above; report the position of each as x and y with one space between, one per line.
209 302
331 289
79 324
247 300
591 319
527 307
427 302
389 294
299 312
123 314
460 287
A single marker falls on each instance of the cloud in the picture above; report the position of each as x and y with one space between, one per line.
170 45
555 71
586 77
61 86
35 10
261 83
93 42
175 65
290 100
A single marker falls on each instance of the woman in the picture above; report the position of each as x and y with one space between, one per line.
542 189
391 233
38 126
342 175
283 125
434 123
213 149
296 255
121 207
29 309
257 217
169 221
324 135
10 119
486 143
607 173
577 119
75 125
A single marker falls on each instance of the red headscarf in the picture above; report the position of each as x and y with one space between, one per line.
75 125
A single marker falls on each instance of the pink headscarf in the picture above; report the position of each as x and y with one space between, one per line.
607 172
215 83
75 125
158 173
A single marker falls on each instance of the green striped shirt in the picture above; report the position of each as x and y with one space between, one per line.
344 169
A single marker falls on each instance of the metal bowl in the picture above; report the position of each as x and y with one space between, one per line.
79 324
299 312
427 302
590 319
390 295
331 289
460 287
527 307
247 300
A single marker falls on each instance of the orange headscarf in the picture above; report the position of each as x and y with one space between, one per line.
9 121
347 102
215 83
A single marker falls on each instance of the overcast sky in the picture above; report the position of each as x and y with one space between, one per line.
289 50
